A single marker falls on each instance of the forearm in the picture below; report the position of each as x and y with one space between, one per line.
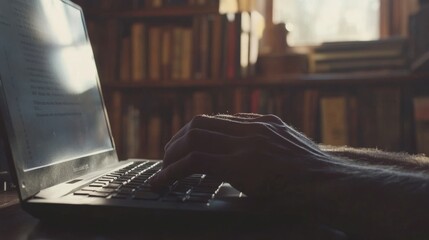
378 157
369 199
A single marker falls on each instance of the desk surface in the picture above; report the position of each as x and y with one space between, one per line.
15 223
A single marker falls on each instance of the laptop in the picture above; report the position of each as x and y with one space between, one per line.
60 146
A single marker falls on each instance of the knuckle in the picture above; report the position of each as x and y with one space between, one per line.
196 121
274 118
271 118
193 138
261 128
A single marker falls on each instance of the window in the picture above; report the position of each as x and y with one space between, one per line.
311 22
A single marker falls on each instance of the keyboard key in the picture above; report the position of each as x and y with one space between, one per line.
181 188
90 189
195 199
97 184
173 197
99 181
169 198
146 196
119 196
113 186
204 189
82 193
105 190
202 195
126 191
98 194
107 179
144 188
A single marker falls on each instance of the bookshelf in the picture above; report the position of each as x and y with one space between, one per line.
376 107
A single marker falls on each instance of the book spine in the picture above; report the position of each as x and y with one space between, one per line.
166 53
334 125
186 54
154 53
125 60
421 118
138 52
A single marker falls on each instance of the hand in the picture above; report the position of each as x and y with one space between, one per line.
257 154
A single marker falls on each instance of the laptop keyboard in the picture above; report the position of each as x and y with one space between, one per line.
131 182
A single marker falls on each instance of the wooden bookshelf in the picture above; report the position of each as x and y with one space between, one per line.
293 80
165 12
144 113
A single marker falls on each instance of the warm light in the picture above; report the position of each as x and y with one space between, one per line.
72 56
78 69
55 11
317 21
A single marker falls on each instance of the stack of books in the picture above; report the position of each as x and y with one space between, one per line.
356 56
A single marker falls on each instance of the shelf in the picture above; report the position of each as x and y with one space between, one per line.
297 80
164 12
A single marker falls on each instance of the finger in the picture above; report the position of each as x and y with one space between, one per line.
193 163
198 140
252 117
235 128
231 127
183 130
248 115
201 140
240 117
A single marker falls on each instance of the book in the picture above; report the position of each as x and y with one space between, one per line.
389 118
358 54
421 118
385 54
186 56
138 52
154 48
125 59
394 44
334 125
238 101
108 50
202 103
380 118
176 61
361 64
176 119
201 41
132 132
154 125
166 52
310 106
255 99
216 47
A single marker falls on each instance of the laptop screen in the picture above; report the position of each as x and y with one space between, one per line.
50 83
